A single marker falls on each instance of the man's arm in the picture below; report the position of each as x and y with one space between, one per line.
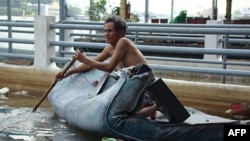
119 52
148 110
80 68
84 67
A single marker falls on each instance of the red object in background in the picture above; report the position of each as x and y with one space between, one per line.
239 108
128 10
154 20
153 116
241 21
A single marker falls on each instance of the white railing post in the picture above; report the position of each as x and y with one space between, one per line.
212 41
43 35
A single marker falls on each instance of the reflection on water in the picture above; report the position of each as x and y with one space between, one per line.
19 123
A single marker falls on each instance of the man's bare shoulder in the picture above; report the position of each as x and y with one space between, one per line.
125 42
108 47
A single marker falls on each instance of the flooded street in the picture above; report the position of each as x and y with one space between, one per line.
19 123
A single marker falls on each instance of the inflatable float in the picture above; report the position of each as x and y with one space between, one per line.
105 104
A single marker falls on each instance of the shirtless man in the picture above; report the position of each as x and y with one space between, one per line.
120 51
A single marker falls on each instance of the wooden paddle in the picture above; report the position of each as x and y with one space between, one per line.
53 84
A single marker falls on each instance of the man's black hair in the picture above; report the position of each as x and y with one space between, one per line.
118 21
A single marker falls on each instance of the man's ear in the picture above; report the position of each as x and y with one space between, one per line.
122 32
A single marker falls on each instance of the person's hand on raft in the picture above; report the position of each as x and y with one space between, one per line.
80 56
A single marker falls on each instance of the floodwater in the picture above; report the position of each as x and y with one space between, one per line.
19 123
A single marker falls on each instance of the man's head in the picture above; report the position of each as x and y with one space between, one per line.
114 28
119 22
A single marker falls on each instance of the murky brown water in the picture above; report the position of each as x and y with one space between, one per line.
19 123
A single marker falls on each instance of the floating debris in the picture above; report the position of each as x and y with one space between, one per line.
4 91
239 110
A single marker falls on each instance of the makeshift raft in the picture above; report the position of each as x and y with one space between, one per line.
105 104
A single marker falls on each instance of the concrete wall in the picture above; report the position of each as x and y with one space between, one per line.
211 98
26 78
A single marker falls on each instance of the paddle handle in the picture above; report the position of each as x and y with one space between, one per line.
53 84
68 66
44 96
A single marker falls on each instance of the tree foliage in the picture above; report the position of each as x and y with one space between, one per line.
97 10
21 7
21 3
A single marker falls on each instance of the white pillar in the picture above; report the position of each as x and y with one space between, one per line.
212 41
43 35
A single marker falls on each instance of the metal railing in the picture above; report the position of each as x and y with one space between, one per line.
193 33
